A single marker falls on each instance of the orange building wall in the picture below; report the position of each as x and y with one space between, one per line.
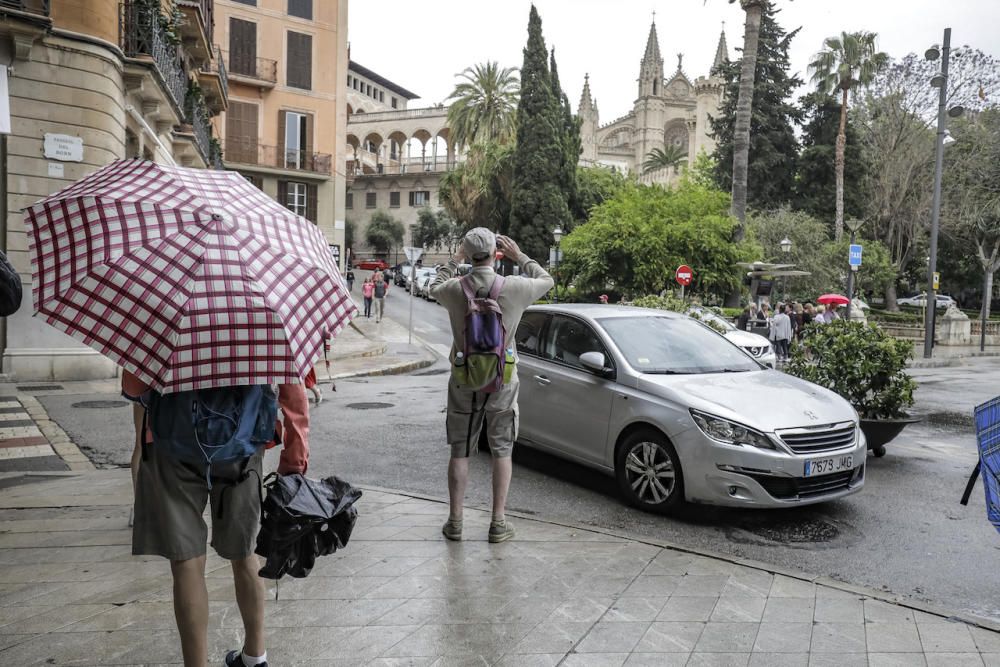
97 18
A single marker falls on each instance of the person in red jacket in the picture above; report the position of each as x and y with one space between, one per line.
171 497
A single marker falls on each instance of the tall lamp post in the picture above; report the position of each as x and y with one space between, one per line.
786 249
557 234
854 226
939 81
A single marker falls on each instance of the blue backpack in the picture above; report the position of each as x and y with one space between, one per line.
988 437
213 427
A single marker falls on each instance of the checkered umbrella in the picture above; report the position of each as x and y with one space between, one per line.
189 278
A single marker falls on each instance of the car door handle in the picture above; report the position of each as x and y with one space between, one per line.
541 379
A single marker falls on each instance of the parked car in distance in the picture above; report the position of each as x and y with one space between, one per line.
399 274
677 413
419 274
920 300
424 282
757 346
373 264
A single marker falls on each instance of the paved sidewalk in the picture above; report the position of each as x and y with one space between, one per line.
70 594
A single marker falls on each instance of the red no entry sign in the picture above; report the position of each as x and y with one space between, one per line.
684 275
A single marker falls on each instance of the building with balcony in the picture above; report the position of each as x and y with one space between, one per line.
91 81
286 62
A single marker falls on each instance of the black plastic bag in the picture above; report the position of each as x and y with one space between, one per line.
10 288
302 519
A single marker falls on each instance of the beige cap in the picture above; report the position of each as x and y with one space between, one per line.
479 243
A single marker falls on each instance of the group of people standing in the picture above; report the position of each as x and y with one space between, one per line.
785 322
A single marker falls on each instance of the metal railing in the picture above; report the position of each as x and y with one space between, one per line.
206 12
196 116
142 35
398 115
217 66
272 157
262 69
40 7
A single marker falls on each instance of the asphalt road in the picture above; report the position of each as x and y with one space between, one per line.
904 533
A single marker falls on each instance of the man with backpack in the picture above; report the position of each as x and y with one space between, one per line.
483 383
206 447
381 288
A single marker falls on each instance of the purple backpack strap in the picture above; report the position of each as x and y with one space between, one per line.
497 286
498 282
467 287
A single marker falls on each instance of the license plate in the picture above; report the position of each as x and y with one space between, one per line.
833 464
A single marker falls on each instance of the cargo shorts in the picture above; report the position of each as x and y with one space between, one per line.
170 501
468 409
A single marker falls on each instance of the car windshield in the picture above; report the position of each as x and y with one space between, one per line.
667 345
709 316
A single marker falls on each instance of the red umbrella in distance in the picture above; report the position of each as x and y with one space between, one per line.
833 299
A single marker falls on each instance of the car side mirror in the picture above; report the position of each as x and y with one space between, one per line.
595 361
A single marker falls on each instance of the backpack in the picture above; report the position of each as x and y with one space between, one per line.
485 365
987 418
379 290
218 428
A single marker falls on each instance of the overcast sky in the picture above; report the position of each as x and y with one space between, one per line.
422 44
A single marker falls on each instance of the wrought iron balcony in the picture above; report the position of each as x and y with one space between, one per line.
272 157
143 36
196 115
215 79
40 7
260 71
198 28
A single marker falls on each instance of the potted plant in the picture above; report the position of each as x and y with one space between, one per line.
866 366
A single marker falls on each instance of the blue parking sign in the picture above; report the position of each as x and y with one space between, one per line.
855 254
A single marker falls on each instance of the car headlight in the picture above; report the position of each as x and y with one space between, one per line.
730 432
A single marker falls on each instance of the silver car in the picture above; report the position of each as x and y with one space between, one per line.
678 413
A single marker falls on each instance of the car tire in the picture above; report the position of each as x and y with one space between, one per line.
641 454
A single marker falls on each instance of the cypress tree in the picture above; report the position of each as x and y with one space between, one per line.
538 200
570 136
773 145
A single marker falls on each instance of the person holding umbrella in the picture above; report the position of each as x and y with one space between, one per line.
206 308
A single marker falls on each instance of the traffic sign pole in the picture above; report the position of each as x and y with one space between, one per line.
412 254
683 276
854 260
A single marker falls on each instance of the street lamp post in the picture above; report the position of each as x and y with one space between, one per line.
854 226
786 249
557 234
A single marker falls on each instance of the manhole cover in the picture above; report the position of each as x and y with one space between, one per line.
434 371
369 406
97 405
40 387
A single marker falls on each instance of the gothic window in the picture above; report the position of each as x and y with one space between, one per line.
676 135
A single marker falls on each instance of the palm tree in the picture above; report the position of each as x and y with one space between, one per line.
484 104
845 63
741 131
658 158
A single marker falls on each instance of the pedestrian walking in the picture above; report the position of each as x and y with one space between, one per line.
368 292
381 289
743 321
781 332
350 280
469 401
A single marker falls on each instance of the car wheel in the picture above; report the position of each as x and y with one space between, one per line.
649 472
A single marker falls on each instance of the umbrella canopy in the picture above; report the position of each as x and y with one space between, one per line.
188 278
834 299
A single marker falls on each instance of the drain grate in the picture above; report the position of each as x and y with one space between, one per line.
370 406
100 405
40 387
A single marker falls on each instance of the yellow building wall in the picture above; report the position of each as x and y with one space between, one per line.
97 18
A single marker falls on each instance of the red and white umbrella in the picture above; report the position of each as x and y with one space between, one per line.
188 278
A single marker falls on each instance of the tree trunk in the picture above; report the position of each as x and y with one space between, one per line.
987 295
838 225
744 103
890 298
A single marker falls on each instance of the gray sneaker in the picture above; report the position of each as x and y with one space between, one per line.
501 531
452 530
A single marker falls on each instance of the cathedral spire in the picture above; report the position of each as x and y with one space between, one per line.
721 51
652 56
586 102
651 69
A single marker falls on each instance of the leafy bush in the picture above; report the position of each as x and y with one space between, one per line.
902 317
860 362
677 305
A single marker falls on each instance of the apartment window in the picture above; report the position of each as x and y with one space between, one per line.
301 8
299 72
256 181
299 198
420 198
381 96
296 137
349 79
368 89
241 132
349 201
395 103
393 200
369 200
242 47
252 3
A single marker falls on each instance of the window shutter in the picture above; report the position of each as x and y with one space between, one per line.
311 203
310 123
283 193
301 8
280 158
299 69
241 132
242 47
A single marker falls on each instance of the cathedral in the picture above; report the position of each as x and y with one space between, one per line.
668 111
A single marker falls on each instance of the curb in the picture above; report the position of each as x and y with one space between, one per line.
61 443
393 369
819 580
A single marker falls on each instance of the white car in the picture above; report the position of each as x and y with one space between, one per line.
753 344
424 285
420 274
920 300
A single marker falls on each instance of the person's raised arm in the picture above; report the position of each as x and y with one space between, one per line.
539 279
444 274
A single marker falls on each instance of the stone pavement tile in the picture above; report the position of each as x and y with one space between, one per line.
987 641
18 594
877 611
55 619
727 638
669 562
838 638
631 610
838 660
783 638
101 591
739 609
470 609
391 567
368 643
657 660
991 659
324 588
461 661
603 585
700 585
595 659
705 565
7 641
719 660
654 585
893 638
612 638
530 660
400 662
530 610
19 613
589 610
26 574
788 587
779 660
839 610
951 660
896 660
286 645
490 640
688 609
750 582
552 637
670 637
412 612
828 592
68 648
335 613
788 609
946 638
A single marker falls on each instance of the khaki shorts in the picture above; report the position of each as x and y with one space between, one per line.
170 501
466 411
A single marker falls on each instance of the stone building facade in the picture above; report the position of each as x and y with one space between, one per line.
89 82
668 110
